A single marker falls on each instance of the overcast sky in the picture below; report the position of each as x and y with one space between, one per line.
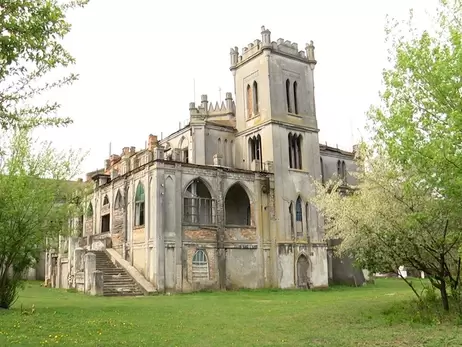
137 60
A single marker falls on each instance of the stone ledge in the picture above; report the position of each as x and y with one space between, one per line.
146 286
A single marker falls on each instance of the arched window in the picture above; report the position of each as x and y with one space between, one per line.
118 201
295 151
255 151
199 207
219 148
105 200
139 205
249 101
200 266
298 210
343 169
307 216
339 169
289 107
255 97
322 169
295 98
184 147
291 216
90 210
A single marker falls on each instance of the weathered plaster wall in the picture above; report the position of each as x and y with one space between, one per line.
241 268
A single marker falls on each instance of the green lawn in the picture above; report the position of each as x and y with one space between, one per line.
366 316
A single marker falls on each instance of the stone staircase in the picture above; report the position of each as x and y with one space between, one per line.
116 280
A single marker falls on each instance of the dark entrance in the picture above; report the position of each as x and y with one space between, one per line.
302 272
105 223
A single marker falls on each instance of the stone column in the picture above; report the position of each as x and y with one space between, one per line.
78 265
90 266
97 283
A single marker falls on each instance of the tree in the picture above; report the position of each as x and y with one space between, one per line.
419 121
393 218
31 32
37 199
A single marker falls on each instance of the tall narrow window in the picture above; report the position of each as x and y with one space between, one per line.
255 97
186 155
118 200
289 107
298 217
200 266
105 200
249 102
295 151
291 216
343 170
295 98
298 210
322 169
307 217
139 205
339 169
291 159
255 150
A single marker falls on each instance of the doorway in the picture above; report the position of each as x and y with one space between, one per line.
303 267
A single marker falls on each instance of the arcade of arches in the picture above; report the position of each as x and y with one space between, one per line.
200 208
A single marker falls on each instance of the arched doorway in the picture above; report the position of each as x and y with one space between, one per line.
303 267
237 206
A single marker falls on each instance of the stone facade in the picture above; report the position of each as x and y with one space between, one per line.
222 202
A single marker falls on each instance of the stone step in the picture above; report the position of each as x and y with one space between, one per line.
119 280
121 284
116 280
110 278
121 289
122 294
112 271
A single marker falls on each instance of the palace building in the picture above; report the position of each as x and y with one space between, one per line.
223 202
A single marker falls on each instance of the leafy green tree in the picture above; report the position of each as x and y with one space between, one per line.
419 121
37 199
31 33
418 124
393 218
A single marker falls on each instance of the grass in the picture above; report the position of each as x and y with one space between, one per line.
374 315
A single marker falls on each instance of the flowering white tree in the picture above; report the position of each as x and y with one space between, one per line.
393 218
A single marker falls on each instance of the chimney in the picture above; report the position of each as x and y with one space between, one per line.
152 142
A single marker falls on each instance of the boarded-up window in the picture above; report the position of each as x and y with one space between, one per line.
249 101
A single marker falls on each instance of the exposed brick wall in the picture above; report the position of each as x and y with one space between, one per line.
241 234
194 234
89 226
117 221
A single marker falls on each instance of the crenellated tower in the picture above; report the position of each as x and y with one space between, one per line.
273 80
274 87
277 128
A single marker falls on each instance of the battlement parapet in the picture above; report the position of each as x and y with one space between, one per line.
283 46
207 109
